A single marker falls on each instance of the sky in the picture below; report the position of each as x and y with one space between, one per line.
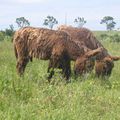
36 11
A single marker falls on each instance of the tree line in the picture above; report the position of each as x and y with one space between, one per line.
51 21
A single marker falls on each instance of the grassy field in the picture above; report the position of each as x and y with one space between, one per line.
33 98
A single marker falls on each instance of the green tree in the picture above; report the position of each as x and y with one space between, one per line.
22 22
50 21
80 21
109 21
9 31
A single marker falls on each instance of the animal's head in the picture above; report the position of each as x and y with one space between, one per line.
104 67
85 63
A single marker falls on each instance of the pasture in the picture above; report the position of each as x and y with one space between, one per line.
31 97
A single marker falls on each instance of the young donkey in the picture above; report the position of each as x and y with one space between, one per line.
45 44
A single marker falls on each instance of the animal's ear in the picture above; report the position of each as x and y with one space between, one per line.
115 58
92 53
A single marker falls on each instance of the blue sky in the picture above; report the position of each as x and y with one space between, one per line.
36 11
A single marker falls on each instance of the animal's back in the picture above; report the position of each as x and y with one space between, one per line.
84 37
38 42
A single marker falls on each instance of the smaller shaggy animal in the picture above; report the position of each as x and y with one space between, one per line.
84 37
43 44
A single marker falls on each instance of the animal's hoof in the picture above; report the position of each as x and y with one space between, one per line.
68 81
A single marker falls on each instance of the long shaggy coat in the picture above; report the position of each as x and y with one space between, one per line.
84 37
43 44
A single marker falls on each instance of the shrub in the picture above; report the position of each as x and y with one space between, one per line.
9 32
7 38
115 38
103 36
2 36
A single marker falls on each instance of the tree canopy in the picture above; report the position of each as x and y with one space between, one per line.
50 21
109 21
80 21
22 22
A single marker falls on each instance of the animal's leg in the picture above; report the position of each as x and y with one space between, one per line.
53 63
66 69
75 74
50 75
67 72
21 64
50 69
49 66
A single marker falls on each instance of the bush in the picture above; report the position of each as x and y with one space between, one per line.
115 38
2 36
111 38
103 36
7 38
9 32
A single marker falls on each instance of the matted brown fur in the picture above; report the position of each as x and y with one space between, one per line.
84 37
82 64
104 67
46 44
43 44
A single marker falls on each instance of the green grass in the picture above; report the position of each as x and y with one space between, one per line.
33 98
98 33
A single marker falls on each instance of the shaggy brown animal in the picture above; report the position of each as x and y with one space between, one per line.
84 37
43 44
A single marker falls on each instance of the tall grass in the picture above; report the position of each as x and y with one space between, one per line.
31 97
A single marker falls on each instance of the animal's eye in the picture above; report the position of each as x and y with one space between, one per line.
81 64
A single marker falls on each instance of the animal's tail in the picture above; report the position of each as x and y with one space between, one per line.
15 50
